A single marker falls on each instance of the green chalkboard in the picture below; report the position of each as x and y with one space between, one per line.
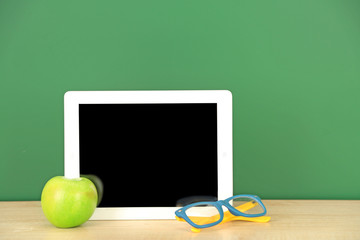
293 68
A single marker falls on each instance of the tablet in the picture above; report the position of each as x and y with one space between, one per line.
154 151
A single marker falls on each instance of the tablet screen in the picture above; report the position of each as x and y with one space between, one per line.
150 155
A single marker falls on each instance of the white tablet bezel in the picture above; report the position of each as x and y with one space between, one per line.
222 98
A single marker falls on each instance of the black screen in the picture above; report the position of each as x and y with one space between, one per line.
150 155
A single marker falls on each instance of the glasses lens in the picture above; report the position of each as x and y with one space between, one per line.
247 205
203 214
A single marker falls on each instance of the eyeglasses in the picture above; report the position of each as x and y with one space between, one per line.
207 214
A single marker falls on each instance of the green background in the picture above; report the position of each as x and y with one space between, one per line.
293 68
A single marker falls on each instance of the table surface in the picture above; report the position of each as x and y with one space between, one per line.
290 219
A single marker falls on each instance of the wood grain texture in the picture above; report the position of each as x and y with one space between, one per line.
291 219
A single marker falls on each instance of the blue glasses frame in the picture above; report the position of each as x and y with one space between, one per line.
181 213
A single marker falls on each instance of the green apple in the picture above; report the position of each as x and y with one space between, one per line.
68 202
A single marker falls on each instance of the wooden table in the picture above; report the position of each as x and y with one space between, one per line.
291 219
